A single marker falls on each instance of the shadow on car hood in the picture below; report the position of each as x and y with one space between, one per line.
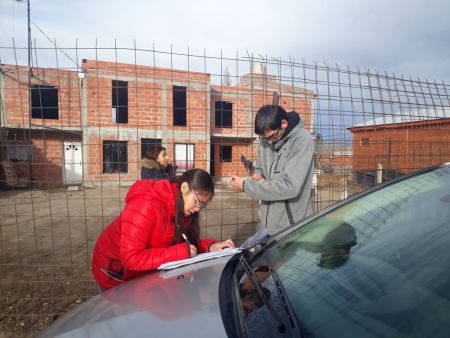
173 303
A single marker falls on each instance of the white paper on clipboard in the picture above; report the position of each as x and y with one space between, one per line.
199 258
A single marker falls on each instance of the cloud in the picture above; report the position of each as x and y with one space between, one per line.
404 36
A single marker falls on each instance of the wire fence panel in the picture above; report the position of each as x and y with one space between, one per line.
77 122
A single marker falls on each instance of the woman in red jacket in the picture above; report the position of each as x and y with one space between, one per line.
148 231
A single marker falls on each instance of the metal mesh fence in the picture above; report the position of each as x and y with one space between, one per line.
77 122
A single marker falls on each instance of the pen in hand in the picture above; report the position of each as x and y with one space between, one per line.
192 248
185 238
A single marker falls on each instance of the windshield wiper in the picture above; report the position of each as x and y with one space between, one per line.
248 270
287 306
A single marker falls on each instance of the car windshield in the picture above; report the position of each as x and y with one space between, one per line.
377 266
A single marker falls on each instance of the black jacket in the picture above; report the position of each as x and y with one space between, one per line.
152 170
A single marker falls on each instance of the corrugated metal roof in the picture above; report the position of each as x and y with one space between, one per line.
432 113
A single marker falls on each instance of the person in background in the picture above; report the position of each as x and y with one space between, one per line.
159 224
155 164
283 174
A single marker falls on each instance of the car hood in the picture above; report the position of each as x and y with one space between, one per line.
172 303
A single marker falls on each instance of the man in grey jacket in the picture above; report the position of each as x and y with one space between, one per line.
284 170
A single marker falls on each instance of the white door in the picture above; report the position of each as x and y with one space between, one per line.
73 163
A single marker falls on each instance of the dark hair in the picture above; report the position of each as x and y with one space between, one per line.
200 181
152 151
269 117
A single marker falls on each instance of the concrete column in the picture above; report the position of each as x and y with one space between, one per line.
379 173
208 128
85 128
164 117
4 118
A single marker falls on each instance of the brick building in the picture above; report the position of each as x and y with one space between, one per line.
233 110
402 143
55 120
94 124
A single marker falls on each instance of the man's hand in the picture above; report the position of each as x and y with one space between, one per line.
237 183
221 245
258 177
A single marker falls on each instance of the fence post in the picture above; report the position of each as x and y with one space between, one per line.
379 173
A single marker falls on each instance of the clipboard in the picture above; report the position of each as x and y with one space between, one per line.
200 258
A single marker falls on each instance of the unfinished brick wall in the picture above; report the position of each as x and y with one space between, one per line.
144 103
85 105
246 99
47 160
291 98
200 150
95 164
235 166
16 101
150 95
146 88
47 156
403 147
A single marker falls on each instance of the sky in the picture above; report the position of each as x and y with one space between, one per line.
410 37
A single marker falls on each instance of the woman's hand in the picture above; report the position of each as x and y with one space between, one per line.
221 245
193 250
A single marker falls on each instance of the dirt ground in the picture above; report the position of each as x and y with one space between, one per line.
47 236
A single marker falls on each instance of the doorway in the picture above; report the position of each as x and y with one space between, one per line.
73 163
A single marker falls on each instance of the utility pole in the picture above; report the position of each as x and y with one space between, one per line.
29 37
29 54
29 85
30 166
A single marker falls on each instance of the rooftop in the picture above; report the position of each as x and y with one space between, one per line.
418 115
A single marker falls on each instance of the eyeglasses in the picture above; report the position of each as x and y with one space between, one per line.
271 138
197 201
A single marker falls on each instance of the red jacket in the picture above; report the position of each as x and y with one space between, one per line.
140 238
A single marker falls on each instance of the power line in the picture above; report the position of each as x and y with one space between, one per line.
54 43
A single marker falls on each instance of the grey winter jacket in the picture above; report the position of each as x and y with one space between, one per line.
287 167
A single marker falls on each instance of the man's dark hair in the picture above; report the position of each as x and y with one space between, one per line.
269 117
